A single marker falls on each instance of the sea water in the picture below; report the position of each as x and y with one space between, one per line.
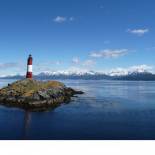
107 110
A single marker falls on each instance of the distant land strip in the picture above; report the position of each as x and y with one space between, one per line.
145 76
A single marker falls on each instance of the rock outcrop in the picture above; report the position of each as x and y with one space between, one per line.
35 95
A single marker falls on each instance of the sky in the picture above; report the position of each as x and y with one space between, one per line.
97 35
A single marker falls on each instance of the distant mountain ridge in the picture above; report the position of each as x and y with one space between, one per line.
141 75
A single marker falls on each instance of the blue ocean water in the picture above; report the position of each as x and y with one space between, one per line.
108 110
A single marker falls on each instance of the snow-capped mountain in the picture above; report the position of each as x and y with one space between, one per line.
67 73
131 70
91 73
142 72
118 72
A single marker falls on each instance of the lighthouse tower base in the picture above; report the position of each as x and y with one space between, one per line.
29 75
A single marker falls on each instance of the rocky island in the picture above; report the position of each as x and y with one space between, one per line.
34 95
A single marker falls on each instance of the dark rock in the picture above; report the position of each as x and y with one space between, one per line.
36 95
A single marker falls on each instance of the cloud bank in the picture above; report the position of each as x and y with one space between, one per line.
62 19
9 65
107 53
138 32
85 63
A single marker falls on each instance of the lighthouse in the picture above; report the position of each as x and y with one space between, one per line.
29 67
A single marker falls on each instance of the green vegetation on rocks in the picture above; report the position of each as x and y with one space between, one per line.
36 95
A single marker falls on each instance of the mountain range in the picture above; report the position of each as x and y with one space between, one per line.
139 75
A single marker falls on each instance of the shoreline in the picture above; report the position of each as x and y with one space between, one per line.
33 95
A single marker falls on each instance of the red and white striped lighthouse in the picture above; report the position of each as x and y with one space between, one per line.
29 67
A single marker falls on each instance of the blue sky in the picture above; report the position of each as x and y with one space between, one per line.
83 34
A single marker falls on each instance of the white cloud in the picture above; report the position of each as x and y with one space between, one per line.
9 65
139 32
76 60
12 68
56 63
48 63
88 63
61 19
78 70
107 53
71 18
